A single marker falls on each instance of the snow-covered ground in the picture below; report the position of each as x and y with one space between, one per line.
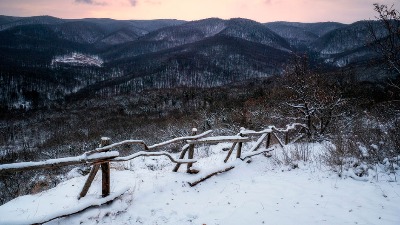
261 192
78 59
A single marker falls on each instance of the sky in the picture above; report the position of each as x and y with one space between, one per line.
345 11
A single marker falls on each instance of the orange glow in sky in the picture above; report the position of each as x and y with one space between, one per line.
346 11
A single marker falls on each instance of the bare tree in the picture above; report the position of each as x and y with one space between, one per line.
311 98
385 38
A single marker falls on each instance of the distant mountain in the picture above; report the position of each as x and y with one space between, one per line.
91 30
343 39
8 19
191 32
44 60
301 34
18 21
294 35
118 37
79 32
347 44
37 40
252 31
214 61
320 28
152 25
119 32
34 45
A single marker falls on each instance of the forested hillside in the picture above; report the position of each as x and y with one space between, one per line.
143 55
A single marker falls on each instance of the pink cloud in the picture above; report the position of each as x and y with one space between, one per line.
91 2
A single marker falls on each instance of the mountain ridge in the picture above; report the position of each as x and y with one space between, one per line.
146 54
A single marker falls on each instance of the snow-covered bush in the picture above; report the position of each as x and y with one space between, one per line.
292 154
370 145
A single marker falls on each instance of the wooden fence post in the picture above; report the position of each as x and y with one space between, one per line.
105 171
191 154
279 140
230 152
268 143
89 181
176 168
240 144
286 137
268 140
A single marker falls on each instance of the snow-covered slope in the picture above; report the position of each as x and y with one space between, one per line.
78 59
302 34
346 38
261 192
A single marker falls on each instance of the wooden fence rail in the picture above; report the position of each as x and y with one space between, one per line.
101 157
53 163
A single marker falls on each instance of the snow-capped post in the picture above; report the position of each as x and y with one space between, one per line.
191 154
105 171
239 150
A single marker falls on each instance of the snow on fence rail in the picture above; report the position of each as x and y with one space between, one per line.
101 157
51 163
146 147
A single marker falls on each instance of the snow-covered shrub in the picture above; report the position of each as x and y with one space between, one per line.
302 152
365 138
292 154
338 152
357 156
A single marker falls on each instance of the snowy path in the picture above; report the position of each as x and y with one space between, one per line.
255 193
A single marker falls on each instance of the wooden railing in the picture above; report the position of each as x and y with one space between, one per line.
101 157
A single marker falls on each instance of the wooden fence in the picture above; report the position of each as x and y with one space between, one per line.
101 157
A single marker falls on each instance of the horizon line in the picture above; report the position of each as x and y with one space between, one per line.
82 18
